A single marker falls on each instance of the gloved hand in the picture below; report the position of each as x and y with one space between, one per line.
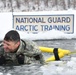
20 58
2 60
37 57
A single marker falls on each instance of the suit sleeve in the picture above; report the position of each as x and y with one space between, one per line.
34 51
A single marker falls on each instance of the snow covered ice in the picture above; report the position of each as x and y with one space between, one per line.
60 68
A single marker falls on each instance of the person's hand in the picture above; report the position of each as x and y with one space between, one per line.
20 58
37 57
2 60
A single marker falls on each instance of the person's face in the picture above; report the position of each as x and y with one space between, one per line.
10 46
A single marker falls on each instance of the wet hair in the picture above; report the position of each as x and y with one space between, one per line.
12 35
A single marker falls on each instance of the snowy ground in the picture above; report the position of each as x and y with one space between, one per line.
60 67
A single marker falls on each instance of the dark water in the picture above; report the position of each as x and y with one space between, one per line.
34 69
65 44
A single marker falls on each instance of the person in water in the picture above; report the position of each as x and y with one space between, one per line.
14 51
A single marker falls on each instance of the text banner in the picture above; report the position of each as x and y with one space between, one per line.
42 23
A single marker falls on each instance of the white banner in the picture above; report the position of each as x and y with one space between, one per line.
42 23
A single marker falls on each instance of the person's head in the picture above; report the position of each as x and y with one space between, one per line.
11 41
